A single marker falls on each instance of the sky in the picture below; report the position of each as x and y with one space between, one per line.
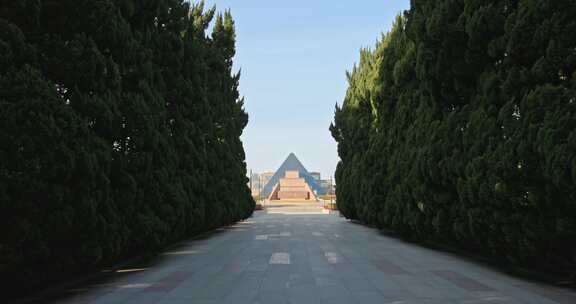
293 57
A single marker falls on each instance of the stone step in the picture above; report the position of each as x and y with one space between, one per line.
294 207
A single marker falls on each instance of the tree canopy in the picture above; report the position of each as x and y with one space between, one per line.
460 126
120 124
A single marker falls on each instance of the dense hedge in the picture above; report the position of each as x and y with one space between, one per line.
120 126
460 126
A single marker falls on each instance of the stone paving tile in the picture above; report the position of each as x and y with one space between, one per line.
116 296
462 280
267 297
550 293
169 282
299 259
368 297
334 291
186 301
488 297
145 299
389 267
342 300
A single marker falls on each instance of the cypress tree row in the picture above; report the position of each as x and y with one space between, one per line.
460 127
120 124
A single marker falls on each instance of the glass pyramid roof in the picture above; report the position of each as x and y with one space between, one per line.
292 164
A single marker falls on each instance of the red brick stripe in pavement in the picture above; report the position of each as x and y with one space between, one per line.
169 282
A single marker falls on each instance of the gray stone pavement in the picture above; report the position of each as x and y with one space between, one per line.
311 258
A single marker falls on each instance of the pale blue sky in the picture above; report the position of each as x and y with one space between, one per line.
294 56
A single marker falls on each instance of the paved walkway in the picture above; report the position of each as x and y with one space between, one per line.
294 207
312 258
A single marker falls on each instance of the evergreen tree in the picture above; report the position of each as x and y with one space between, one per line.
120 124
459 126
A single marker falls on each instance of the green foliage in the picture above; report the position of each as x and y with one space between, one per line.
460 126
120 124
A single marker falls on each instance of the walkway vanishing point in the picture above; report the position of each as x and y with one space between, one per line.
297 254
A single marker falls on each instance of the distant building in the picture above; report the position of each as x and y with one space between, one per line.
266 176
316 176
258 181
292 181
292 186
254 184
325 184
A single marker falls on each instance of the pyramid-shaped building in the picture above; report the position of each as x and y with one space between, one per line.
292 181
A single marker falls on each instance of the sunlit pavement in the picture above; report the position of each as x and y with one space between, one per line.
312 258
294 207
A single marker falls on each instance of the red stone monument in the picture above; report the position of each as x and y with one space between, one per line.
292 187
